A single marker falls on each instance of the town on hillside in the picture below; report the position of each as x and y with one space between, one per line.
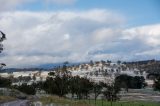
98 71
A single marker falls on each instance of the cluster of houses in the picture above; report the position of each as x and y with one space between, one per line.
25 76
105 72
95 71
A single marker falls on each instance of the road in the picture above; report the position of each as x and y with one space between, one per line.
16 103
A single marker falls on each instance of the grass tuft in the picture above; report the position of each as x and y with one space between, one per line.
6 99
62 101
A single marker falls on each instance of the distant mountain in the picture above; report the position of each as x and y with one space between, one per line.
42 67
54 65
49 65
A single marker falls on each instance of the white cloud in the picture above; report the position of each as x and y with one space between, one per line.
146 41
150 52
61 1
41 34
106 34
149 34
11 4
66 36
47 37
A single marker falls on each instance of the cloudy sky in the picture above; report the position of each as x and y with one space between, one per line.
51 31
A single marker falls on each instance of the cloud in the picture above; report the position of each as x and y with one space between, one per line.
145 39
105 34
149 34
11 4
48 37
63 35
61 1
153 52
66 36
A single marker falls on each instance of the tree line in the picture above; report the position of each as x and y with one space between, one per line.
61 83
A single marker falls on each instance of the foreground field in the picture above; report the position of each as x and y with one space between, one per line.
6 99
122 103
57 101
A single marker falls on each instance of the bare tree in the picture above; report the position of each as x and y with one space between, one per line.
2 38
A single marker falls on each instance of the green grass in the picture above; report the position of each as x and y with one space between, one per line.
121 103
6 99
63 101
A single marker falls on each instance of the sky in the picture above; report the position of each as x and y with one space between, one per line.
53 31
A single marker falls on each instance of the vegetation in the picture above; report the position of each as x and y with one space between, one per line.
64 84
6 98
97 89
5 82
61 83
110 92
125 81
62 101
28 89
157 84
57 85
122 103
2 38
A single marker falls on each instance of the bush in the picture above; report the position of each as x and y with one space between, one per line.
156 85
4 82
28 89
125 81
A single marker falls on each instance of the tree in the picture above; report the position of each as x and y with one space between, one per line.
156 85
49 86
5 82
28 89
2 38
20 78
86 87
138 82
111 92
108 61
91 63
80 87
103 62
34 77
66 62
58 84
97 88
73 85
125 81
61 84
51 73
118 62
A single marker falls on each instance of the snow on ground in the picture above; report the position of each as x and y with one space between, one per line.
97 72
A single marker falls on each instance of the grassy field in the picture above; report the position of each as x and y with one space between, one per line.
62 101
68 102
6 99
121 103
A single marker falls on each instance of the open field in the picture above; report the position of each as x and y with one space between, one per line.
57 101
62 101
6 99
123 103
141 95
